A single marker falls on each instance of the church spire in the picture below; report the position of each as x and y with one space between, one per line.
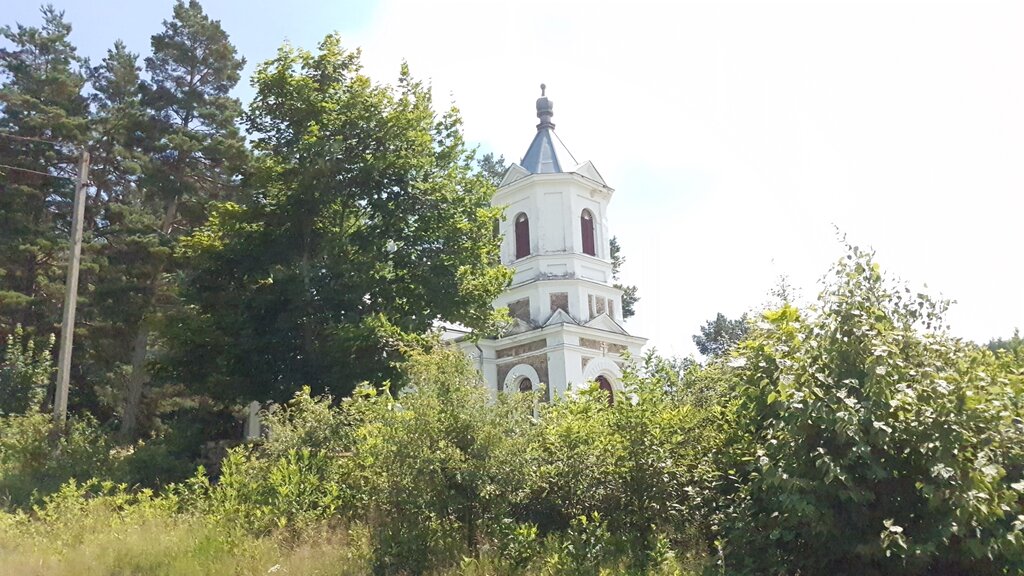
546 152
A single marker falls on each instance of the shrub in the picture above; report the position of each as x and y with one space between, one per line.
24 373
35 460
295 491
149 463
641 464
296 479
437 464
868 440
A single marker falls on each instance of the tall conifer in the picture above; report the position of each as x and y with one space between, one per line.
41 80
195 153
124 248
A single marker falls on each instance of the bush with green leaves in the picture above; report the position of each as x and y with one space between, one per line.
36 461
24 373
296 479
439 463
640 464
867 440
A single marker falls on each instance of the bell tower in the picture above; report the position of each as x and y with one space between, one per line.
567 317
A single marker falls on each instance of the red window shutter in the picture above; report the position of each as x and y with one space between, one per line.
522 236
587 225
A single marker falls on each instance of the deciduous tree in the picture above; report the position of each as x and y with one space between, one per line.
363 220
867 440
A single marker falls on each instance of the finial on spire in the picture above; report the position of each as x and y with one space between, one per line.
545 109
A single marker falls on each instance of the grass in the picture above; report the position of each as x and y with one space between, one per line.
105 541
98 540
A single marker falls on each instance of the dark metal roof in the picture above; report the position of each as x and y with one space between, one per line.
546 153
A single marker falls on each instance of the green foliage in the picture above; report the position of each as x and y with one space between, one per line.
443 472
24 373
295 480
364 221
101 529
629 293
867 440
639 464
717 337
584 549
1012 345
196 147
41 81
122 243
438 464
195 153
294 491
35 460
491 168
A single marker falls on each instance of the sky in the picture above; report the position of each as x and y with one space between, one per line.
742 138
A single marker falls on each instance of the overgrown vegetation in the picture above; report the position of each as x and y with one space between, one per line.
352 218
866 439
852 436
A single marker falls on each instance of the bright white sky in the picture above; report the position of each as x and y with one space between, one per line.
737 135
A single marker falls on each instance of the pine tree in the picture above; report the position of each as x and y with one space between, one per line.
195 154
124 242
629 293
43 123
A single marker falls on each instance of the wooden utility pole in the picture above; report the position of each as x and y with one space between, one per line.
67 327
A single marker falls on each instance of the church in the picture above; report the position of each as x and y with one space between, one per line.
566 326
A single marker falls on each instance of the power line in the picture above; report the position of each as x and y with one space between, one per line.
33 172
30 139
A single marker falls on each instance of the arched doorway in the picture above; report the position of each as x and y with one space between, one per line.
605 385
525 385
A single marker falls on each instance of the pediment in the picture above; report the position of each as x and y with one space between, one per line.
588 170
560 317
605 322
518 326
514 173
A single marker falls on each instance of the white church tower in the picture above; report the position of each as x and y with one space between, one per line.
567 316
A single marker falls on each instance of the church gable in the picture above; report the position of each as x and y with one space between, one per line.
514 173
604 322
518 327
588 170
559 317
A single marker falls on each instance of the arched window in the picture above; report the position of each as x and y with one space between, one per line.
587 226
522 236
605 385
525 385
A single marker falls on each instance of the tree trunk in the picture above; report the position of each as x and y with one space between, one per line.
307 321
138 377
136 380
